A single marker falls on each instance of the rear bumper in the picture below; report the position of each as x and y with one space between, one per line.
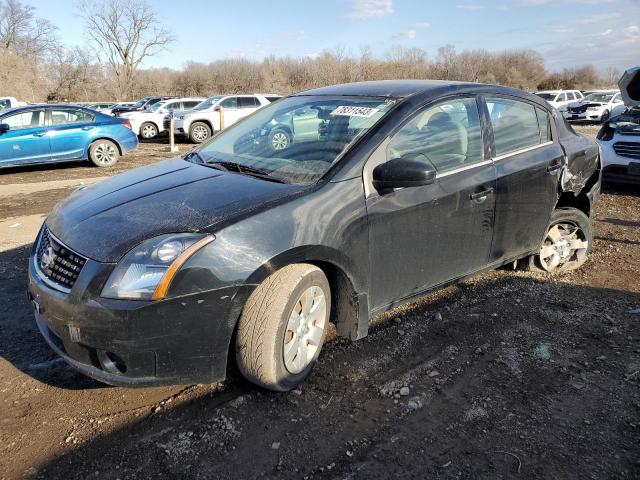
178 341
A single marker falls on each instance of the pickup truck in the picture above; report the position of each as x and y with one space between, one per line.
10 102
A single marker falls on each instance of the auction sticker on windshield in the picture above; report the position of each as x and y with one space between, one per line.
354 111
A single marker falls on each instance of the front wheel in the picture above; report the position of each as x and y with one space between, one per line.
279 140
148 130
104 153
605 116
282 327
199 132
567 242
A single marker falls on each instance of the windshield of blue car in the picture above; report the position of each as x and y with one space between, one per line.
297 139
206 103
599 97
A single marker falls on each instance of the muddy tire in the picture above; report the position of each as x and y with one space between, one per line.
283 326
104 153
199 132
566 244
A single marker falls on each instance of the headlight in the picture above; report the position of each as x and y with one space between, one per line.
146 272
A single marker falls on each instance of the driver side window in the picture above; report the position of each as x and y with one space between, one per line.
447 135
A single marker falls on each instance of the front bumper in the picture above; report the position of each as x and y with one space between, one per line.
177 341
618 168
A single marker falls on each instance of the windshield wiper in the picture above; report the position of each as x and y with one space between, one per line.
246 170
194 155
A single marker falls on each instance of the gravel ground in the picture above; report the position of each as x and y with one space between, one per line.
509 374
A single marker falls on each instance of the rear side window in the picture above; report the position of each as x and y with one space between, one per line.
272 99
65 117
191 104
571 96
515 125
248 102
544 122
30 119
447 135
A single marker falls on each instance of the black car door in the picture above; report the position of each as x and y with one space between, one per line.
528 164
423 236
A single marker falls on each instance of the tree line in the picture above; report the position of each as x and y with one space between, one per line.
122 34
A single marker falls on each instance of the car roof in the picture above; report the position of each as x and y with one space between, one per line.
386 88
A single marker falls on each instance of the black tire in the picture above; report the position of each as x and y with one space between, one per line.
605 116
262 328
104 153
148 130
565 216
279 139
199 132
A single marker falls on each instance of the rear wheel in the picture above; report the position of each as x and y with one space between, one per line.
104 153
282 327
148 130
566 244
199 132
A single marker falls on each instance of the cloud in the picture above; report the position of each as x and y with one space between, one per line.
412 31
364 9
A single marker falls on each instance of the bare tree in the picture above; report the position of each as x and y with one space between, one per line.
126 32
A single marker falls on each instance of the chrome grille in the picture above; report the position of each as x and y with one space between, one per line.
58 265
627 149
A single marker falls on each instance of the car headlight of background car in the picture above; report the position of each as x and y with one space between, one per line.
146 272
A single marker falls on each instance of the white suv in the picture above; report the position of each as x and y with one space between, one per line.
203 121
149 123
597 106
560 99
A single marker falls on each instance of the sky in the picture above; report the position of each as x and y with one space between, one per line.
568 33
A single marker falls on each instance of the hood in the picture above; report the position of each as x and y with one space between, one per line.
106 220
630 87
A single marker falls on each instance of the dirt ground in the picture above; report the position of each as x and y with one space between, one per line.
507 375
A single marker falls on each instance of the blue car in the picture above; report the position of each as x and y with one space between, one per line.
59 133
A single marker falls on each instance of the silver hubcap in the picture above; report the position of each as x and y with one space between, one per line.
565 243
200 133
279 141
105 153
148 131
305 328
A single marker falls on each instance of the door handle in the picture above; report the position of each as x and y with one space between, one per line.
554 165
39 134
481 196
87 128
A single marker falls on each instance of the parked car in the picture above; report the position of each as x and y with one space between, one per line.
105 108
619 138
149 123
60 133
560 99
150 277
10 102
200 123
596 107
139 105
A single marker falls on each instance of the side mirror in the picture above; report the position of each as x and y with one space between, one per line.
4 127
402 173
216 108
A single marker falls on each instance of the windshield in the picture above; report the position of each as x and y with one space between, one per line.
599 97
547 96
139 103
297 139
207 103
155 106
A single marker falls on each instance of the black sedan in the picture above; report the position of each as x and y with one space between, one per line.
151 277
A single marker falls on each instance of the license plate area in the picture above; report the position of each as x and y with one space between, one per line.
634 169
